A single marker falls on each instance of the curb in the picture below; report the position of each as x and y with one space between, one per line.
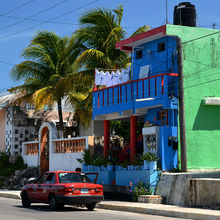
9 195
164 210
161 212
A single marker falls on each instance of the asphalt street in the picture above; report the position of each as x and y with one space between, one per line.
11 209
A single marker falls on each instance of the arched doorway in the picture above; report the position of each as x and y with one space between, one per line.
47 132
44 150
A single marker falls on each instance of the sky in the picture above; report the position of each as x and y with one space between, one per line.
21 19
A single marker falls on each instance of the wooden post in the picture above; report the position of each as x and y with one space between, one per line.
181 107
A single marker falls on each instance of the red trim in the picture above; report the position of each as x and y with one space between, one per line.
162 85
123 44
133 137
106 137
124 48
161 74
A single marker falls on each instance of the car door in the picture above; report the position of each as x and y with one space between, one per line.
47 187
38 188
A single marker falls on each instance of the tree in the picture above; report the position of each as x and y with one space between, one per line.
49 60
99 31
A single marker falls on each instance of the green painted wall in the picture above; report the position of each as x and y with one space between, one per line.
201 68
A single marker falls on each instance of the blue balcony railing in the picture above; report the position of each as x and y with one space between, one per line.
120 97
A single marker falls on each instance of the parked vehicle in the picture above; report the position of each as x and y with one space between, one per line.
61 188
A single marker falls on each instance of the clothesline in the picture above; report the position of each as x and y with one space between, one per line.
107 69
111 78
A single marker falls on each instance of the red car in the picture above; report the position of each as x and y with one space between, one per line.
61 188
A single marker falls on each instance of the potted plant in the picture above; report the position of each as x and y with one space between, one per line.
152 160
146 158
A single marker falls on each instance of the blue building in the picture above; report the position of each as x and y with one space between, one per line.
150 95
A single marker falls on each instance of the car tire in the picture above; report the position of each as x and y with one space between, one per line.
53 203
91 207
26 203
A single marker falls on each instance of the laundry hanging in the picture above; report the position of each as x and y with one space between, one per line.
111 79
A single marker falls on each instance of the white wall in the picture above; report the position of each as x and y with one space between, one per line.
65 161
31 160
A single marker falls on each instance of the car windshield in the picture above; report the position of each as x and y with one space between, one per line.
73 178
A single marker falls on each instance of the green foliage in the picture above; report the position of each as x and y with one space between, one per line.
99 161
122 129
125 163
140 188
150 157
87 158
7 167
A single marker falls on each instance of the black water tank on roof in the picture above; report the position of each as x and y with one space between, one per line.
185 14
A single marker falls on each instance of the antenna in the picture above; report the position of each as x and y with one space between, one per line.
166 13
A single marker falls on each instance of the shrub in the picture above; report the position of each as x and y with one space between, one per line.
7 167
140 188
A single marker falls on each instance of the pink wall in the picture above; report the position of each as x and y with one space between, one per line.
2 129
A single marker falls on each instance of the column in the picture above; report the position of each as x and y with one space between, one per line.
133 137
106 137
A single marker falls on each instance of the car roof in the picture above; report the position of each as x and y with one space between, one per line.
61 171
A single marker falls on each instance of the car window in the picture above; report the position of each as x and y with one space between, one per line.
73 178
50 178
42 178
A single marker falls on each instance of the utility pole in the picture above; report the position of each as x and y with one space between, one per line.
181 107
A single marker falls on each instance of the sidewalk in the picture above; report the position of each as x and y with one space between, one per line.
147 208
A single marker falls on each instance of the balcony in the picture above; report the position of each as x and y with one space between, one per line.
135 96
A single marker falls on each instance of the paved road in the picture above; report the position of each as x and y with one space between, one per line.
11 209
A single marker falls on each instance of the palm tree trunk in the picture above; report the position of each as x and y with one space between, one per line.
61 127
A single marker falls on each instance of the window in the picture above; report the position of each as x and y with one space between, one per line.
139 54
21 135
42 178
50 178
16 131
73 178
26 131
16 146
161 47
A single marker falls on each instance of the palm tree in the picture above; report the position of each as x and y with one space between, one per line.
49 60
99 31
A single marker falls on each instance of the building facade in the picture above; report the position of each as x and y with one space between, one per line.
152 95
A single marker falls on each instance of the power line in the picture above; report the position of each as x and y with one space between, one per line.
14 9
31 19
38 13
59 16
5 62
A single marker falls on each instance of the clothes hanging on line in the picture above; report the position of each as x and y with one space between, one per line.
111 79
